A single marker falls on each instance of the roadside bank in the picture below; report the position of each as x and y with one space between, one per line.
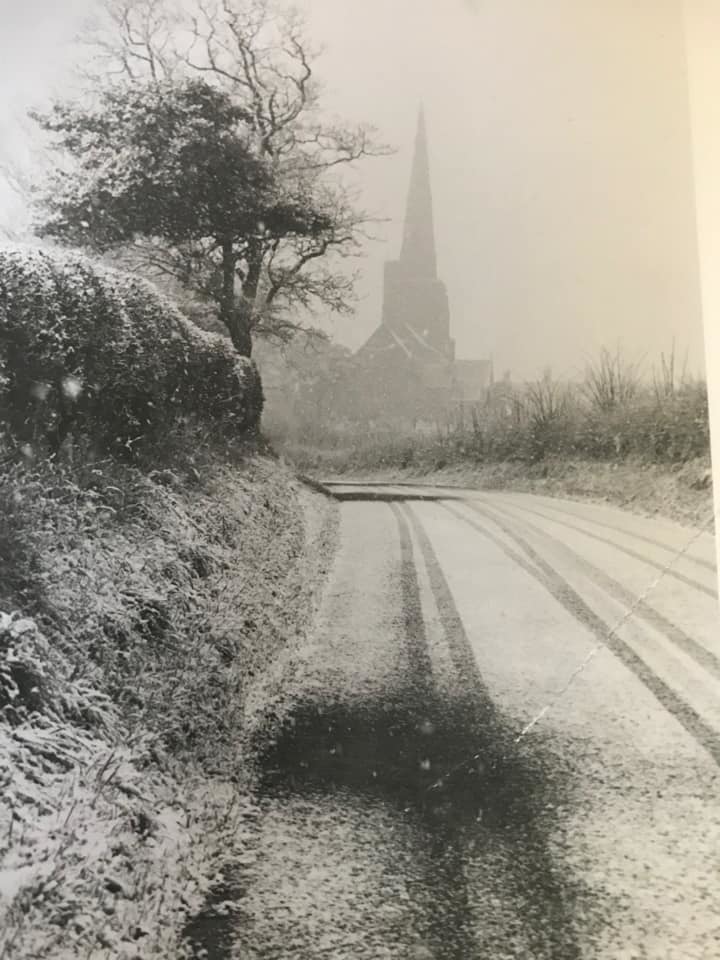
138 610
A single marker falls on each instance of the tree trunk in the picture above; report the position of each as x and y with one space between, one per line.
232 314
240 331
252 280
238 317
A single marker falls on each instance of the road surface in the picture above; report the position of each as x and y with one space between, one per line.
504 741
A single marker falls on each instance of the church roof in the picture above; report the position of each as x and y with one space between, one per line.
404 341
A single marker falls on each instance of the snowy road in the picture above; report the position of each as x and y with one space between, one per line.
407 815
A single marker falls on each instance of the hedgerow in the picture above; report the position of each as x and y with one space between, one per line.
86 351
513 423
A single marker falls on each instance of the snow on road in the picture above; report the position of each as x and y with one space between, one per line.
406 813
640 724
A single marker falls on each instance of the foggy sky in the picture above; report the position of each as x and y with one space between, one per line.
559 151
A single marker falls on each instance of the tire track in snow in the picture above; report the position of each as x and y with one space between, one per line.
569 598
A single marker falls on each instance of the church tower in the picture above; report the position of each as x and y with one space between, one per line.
407 368
415 303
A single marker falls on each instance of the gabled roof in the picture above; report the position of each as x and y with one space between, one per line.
404 341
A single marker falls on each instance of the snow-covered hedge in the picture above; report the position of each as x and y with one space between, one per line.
85 350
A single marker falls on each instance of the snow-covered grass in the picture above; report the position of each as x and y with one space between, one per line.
613 434
137 609
641 445
101 858
681 492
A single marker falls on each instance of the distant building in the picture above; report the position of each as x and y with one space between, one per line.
408 367
472 380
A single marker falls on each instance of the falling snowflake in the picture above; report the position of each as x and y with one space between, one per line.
72 387
40 391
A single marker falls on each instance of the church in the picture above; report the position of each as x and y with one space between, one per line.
407 368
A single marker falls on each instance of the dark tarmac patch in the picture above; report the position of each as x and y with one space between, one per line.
453 769
448 767
387 497
414 749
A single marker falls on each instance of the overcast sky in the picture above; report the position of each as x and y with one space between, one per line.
559 149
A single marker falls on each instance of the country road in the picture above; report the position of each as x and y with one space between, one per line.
503 742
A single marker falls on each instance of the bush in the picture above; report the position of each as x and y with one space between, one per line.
88 351
609 417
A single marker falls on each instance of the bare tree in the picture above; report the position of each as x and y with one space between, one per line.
611 381
258 52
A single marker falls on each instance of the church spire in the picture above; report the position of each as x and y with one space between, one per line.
418 247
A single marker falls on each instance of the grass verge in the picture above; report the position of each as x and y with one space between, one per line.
137 611
682 492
